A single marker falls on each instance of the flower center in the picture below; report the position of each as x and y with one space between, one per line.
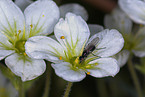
20 46
76 65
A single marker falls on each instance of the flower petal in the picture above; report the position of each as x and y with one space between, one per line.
118 20
74 31
122 57
5 46
11 18
110 43
42 16
42 47
23 3
74 8
25 67
105 67
64 70
135 9
94 28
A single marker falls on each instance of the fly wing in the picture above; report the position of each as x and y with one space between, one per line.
92 43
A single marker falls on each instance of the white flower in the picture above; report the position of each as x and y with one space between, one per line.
15 28
135 9
133 42
72 35
6 88
71 7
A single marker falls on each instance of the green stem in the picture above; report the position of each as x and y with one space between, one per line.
48 81
134 77
21 89
68 88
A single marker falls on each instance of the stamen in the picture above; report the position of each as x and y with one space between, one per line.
62 37
19 31
88 73
31 26
42 15
25 54
60 58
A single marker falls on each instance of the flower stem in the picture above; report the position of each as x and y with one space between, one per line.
21 89
48 81
68 88
134 77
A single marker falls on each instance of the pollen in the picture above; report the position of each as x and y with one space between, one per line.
88 73
19 31
25 54
31 26
62 37
42 15
60 58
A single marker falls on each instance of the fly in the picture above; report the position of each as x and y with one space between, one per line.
89 49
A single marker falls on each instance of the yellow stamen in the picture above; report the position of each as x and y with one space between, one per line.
77 60
88 73
19 31
62 37
31 26
60 58
25 54
42 15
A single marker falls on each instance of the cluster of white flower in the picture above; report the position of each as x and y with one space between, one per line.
73 54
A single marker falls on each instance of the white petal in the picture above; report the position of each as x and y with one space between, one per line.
25 67
110 43
118 20
135 9
9 15
23 3
122 57
75 31
94 28
5 46
43 15
74 8
64 70
105 67
42 47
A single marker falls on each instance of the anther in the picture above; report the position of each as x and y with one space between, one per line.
60 58
25 54
19 31
88 73
62 37
42 15
31 26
